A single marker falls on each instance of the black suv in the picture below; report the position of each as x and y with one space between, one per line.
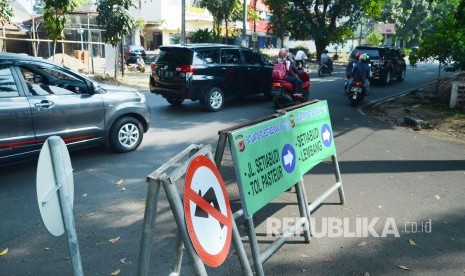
131 52
209 73
386 62
39 99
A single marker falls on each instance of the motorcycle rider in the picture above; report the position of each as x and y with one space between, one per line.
350 66
326 60
292 75
300 58
361 72
352 63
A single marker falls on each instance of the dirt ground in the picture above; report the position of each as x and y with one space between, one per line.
427 111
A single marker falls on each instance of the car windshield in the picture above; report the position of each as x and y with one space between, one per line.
177 56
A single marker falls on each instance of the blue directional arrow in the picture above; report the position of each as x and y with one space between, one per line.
326 135
288 158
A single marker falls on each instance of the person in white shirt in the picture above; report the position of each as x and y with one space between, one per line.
300 58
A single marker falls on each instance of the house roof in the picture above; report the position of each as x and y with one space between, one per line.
10 27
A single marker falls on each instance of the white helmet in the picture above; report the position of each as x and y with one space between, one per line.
283 53
365 58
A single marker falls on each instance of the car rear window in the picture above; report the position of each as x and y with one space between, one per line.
178 56
373 53
137 48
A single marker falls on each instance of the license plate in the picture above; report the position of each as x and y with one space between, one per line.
165 74
354 96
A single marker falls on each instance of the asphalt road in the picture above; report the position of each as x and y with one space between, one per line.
391 176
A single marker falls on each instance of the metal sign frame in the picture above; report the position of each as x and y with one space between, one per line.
305 209
162 178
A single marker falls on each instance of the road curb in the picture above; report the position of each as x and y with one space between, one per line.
362 109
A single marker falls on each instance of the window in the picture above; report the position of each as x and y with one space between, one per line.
174 55
7 83
231 56
207 56
252 58
47 81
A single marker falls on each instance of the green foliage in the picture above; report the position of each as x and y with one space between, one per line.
301 47
319 20
6 11
445 44
374 38
409 17
202 36
139 23
114 16
223 11
280 18
55 15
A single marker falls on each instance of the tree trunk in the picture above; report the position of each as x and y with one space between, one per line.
320 46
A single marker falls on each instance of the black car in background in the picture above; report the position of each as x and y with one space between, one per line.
386 62
131 52
39 99
209 73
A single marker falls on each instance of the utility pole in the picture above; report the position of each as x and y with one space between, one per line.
244 24
183 21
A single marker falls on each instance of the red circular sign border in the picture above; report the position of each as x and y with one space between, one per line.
210 260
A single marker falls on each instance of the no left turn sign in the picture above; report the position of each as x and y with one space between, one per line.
207 211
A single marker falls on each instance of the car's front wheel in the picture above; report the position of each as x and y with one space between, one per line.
402 75
387 78
126 134
214 99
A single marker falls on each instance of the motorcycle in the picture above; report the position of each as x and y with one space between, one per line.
356 93
324 69
283 91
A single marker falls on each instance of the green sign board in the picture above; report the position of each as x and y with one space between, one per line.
312 135
272 156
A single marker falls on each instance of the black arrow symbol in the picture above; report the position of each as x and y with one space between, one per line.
209 197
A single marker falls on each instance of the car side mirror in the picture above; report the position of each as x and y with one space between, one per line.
95 87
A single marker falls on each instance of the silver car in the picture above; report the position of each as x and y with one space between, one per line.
39 99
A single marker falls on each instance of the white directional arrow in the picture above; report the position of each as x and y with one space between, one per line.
288 158
326 135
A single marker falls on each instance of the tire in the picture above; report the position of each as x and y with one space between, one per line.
214 99
126 134
175 101
387 78
320 72
402 75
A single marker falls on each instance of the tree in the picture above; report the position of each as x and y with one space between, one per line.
114 16
6 12
222 11
409 16
444 42
324 21
55 15
374 38
280 18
